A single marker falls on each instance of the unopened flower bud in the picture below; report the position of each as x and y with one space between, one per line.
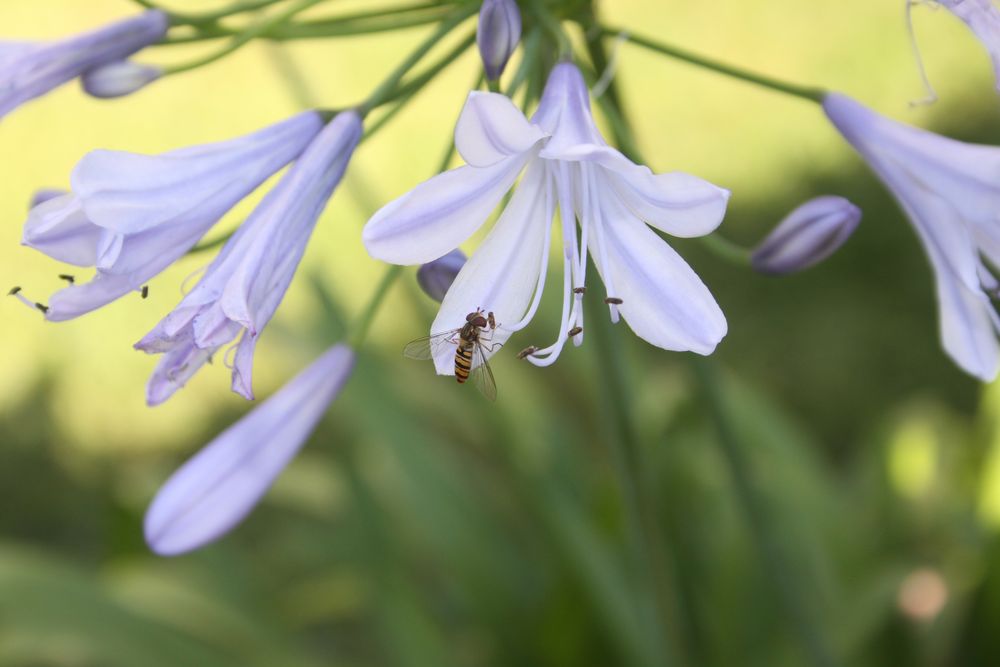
436 277
498 34
43 195
118 79
807 236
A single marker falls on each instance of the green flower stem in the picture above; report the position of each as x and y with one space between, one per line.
359 331
727 250
385 91
774 559
211 17
553 26
651 587
805 92
256 30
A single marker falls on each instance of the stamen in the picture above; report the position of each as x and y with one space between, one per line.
602 258
34 305
575 331
13 290
186 283
613 301
67 277
579 290
543 270
144 292
608 75
527 352
42 307
227 358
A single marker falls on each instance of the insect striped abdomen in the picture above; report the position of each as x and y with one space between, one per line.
463 363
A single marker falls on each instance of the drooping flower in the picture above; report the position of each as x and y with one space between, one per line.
133 215
243 287
983 18
808 235
497 35
31 69
218 487
569 165
118 79
435 278
948 190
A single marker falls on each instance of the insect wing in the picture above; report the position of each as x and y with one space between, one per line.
425 348
482 374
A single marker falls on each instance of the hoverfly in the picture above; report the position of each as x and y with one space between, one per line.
470 353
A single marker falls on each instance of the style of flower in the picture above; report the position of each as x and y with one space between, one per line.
218 487
131 216
244 285
32 69
948 190
567 164
983 19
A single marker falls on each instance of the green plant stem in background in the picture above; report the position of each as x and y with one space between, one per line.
650 570
775 561
553 26
359 332
385 91
256 30
805 92
727 250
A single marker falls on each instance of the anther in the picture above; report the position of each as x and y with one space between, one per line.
13 291
579 290
145 291
575 331
613 301
68 278
527 352
42 307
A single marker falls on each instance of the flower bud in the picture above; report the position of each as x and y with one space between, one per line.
43 195
498 34
118 79
807 236
436 277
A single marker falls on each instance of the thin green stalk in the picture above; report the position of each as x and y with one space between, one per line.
774 559
360 329
233 9
530 46
385 90
658 610
725 249
248 35
553 26
210 245
805 92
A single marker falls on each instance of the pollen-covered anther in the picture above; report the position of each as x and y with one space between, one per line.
42 307
68 278
13 291
144 292
575 331
579 290
613 301
527 352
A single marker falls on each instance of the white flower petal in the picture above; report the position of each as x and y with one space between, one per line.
501 276
439 214
219 486
491 128
663 299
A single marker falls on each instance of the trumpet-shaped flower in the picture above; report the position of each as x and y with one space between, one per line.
132 216
217 488
31 69
243 287
983 19
948 190
568 165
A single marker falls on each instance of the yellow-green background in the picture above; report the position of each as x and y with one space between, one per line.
875 455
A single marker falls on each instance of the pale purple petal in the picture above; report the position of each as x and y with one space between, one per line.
435 278
439 214
564 112
503 273
43 195
497 35
663 299
119 79
29 72
59 228
490 128
983 18
217 488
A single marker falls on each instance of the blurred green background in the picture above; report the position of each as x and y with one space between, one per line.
848 516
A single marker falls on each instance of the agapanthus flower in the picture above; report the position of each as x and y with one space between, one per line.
806 236
31 69
244 285
497 35
218 487
132 216
948 190
435 278
567 164
983 18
